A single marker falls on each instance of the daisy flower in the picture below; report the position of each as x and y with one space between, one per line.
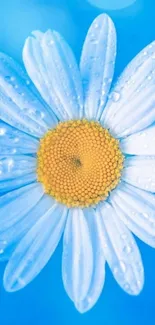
79 159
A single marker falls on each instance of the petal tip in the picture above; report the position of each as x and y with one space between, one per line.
12 285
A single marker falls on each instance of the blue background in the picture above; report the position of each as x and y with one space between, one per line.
44 301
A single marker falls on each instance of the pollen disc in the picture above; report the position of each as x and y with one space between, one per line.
79 163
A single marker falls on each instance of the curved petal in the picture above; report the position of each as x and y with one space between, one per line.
98 274
97 64
18 203
12 233
35 249
131 104
17 182
51 65
121 251
140 172
6 251
13 141
140 143
77 261
14 166
19 102
16 171
136 208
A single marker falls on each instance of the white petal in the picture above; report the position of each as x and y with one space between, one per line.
140 172
12 184
131 104
97 64
137 210
16 171
18 203
51 65
140 143
19 102
14 166
14 207
11 233
121 251
98 275
35 249
77 262
13 141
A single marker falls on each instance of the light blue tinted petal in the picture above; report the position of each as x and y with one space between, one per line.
15 166
20 107
97 64
131 103
14 183
140 172
16 171
6 251
140 143
18 203
77 261
13 141
98 275
35 249
136 208
121 251
11 234
51 65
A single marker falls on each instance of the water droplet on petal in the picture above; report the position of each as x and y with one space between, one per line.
126 286
115 96
146 216
123 266
2 131
127 249
124 236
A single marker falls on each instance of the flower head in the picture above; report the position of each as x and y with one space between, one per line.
79 158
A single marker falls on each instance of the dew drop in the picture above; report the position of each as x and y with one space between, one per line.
139 284
126 286
2 131
146 216
115 96
94 41
127 249
103 92
96 25
124 236
142 134
123 266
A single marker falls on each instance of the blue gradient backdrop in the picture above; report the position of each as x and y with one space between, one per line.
44 301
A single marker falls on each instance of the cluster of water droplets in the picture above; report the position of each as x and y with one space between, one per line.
20 105
96 78
138 76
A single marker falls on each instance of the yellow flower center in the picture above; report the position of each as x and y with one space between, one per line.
79 162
